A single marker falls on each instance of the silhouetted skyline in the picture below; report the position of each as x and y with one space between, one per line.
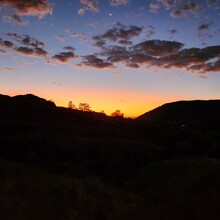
113 54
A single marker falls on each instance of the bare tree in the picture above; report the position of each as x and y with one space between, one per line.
84 107
117 113
71 105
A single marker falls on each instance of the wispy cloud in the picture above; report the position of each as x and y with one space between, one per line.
203 31
154 7
177 8
88 6
61 38
149 30
13 18
3 52
117 3
173 31
7 69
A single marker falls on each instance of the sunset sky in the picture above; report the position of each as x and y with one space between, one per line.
131 55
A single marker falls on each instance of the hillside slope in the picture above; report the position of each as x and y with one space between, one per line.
79 165
185 111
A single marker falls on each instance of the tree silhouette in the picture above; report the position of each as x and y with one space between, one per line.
84 107
71 105
117 113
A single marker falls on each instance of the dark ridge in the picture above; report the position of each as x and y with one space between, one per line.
185 111
30 99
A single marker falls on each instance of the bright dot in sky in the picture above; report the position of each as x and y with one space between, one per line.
110 14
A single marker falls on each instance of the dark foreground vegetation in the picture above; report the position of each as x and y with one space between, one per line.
58 163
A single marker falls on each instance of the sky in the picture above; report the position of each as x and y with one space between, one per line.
127 55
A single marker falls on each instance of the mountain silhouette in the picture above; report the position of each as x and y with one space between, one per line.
63 161
185 111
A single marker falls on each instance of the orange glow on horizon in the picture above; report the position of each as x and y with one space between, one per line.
132 104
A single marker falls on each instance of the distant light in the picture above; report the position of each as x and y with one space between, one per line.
110 14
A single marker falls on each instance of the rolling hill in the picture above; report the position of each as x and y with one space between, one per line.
185 111
79 165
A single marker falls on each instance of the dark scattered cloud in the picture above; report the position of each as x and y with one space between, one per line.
6 43
119 33
204 26
203 31
13 18
95 62
23 7
29 46
70 48
88 6
26 40
116 54
163 54
36 52
117 3
187 8
64 57
158 47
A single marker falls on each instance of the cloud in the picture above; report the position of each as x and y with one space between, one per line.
7 69
26 40
81 11
48 62
173 31
158 47
95 62
192 59
187 8
117 3
3 52
23 7
178 8
204 26
119 33
30 46
168 4
13 18
6 43
61 38
149 30
203 31
212 2
64 57
118 73
88 6
70 48
36 52
116 54
154 7
161 54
